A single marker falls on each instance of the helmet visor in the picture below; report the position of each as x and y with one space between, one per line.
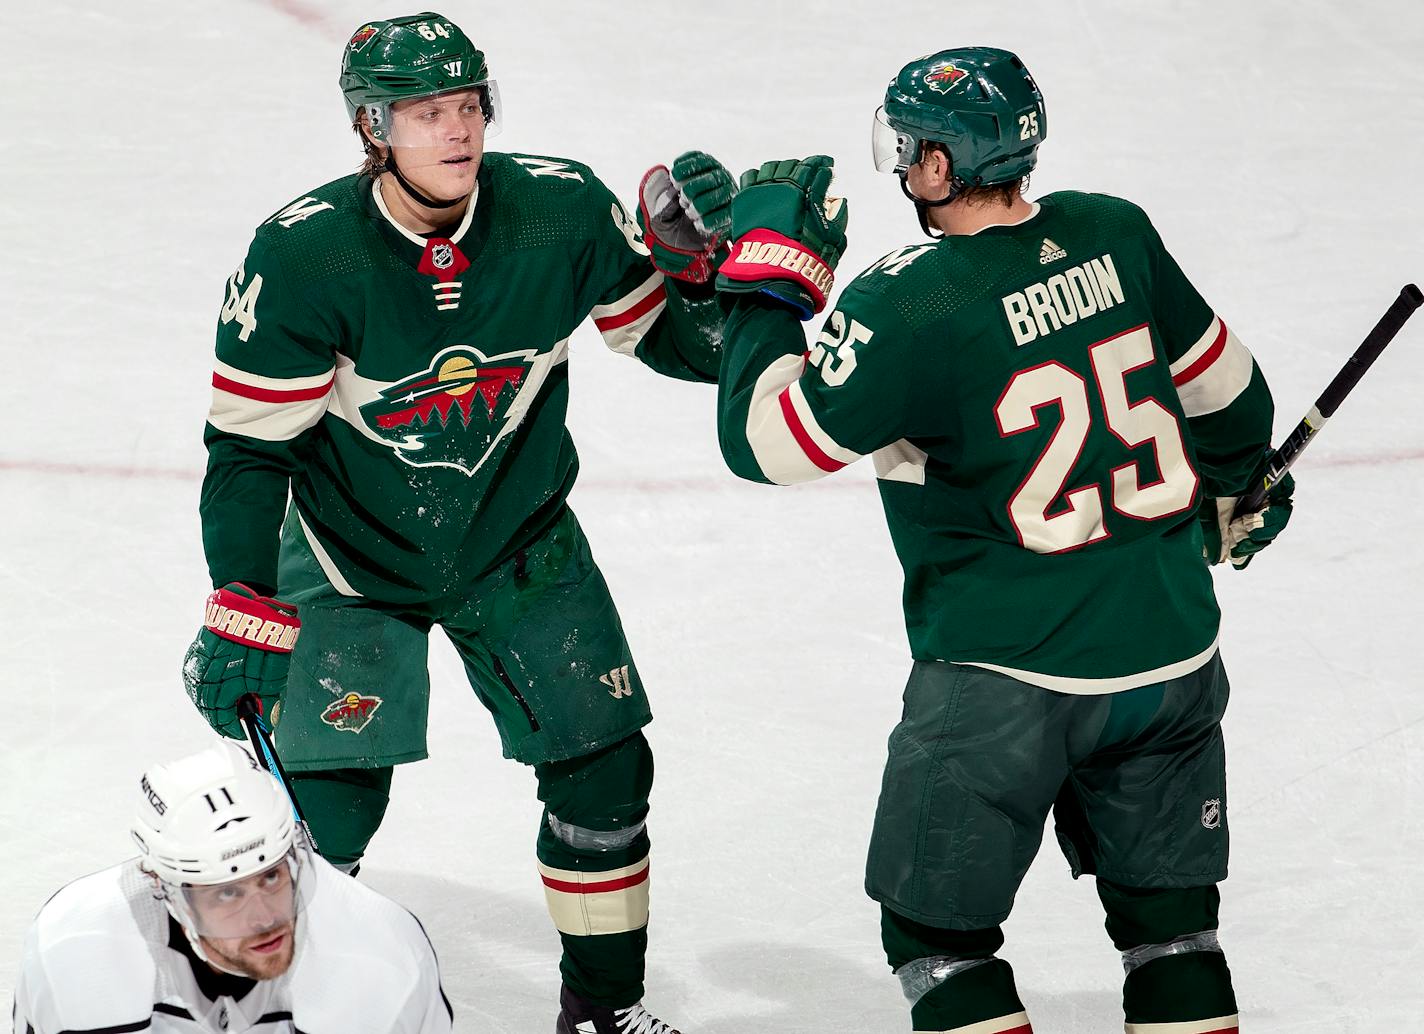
892 150
440 118
264 901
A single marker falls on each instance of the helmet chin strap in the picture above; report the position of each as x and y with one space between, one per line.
957 186
409 188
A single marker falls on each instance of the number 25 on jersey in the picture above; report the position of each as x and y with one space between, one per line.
1079 519
834 351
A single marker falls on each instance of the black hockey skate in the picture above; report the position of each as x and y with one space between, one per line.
577 1016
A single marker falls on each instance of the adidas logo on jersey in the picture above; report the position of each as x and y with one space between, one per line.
1050 252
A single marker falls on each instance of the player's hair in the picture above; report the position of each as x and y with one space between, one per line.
374 162
995 193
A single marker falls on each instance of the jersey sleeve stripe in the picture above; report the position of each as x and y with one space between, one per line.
624 322
279 395
779 435
632 305
814 442
253 380
264 419
1202 354
1213 372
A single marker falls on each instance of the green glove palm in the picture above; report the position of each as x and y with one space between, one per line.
685 213
788 234
244 646
1239 539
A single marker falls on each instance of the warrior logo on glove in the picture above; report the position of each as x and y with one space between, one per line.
244 646
789 234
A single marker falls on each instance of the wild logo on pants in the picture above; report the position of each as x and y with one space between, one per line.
351 713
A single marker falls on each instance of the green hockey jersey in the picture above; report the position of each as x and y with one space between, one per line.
411 391
1046 404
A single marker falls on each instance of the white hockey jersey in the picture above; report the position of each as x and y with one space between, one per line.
98 960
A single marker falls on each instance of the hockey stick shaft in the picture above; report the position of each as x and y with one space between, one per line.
249 713
1281 460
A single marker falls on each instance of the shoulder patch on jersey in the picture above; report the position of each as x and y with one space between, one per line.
543 170
894 263
540 199
322 234
330 197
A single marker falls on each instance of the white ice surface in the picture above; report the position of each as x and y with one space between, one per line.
1278 148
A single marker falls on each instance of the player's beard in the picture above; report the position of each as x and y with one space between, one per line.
237 956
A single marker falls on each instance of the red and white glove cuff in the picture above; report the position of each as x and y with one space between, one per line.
261 623
767 255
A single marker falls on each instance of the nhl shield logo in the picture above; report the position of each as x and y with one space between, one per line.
454 412
442 256
351 713
1211 813
945 78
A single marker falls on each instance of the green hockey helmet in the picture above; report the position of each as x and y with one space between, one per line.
979 102
416 56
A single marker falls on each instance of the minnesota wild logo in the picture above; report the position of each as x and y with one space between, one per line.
352 713
945 77
453 413
361 36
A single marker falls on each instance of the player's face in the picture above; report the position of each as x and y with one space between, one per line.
249 924
439 142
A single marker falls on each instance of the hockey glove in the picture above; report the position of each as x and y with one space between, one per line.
787 234
685 213
1240 539
244 646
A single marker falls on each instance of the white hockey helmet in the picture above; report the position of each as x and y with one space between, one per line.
212 817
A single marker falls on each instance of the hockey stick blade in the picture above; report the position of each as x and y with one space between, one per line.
1281 460
249 713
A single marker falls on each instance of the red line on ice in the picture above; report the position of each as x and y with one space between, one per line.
688 484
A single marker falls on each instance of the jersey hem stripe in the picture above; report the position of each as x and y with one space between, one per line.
323 558
1099 687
